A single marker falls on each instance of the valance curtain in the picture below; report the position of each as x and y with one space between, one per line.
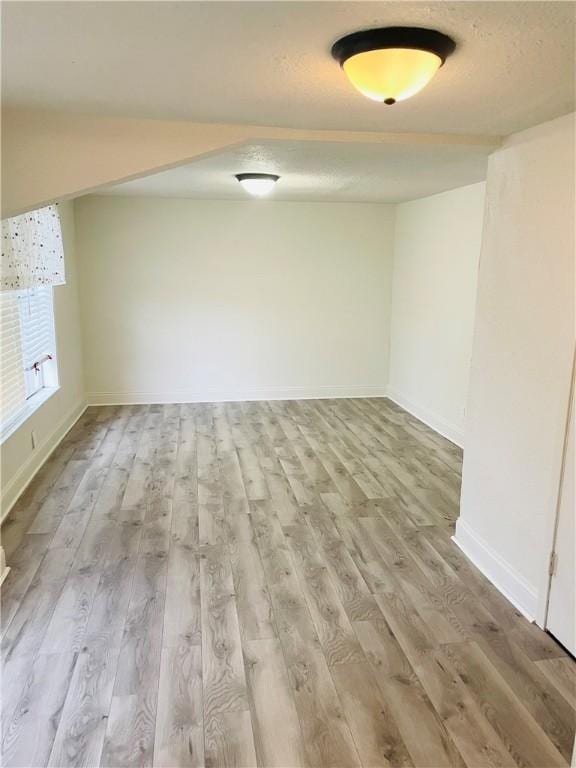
32 252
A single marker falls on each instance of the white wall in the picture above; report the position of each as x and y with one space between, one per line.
187 300
56 415
436 254
521 364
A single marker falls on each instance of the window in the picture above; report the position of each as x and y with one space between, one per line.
27 354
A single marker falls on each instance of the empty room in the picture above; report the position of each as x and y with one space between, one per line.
287 391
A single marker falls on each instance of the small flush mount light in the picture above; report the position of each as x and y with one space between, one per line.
392 63
258 184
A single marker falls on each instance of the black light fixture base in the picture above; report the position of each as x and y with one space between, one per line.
244 176
417 38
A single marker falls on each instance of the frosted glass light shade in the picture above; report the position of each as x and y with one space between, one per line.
391 64
257 184
391 74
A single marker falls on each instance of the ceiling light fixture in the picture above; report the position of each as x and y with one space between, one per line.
392 63
258 184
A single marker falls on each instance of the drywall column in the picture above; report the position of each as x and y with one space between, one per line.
436 254
50 156
521 362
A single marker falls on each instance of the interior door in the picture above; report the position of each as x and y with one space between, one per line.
561 619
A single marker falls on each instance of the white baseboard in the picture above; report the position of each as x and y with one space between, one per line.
437 423
22 479
504 577
234 395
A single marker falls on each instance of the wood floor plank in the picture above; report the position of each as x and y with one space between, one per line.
327 737
135 491
185 529
114 531
373 727
346 483
462 716
209 485
229 741
65 633
72 526
27 629
95 432
344 450
230 469
540 697
24 564
264 583
179 739
14 676
106 539
110 606
522 735
254 479
26 508
537 645
421 728
456 602
157 517
277 733
30 732
475 737
252 595
562 674
415 464
502 611
432 603
302 488
362 549
212 530
285 502
131 723
55 506
82 727
337 638
222 663
317 474
80 737
182 622
352 590
185 524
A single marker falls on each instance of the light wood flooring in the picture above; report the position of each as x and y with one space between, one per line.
266 584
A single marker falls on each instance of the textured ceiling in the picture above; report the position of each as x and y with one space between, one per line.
269 63
322 171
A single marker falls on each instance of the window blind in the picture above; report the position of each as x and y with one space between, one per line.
27 345
37 330
13 394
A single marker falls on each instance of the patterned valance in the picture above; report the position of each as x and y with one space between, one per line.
32 253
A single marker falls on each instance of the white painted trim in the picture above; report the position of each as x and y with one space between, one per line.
30 407
555 495
435 422
22 479
234 395
505 578
4 570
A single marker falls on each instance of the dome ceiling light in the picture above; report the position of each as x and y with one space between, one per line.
258 184
392 63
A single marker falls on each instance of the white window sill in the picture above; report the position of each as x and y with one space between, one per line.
32 405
